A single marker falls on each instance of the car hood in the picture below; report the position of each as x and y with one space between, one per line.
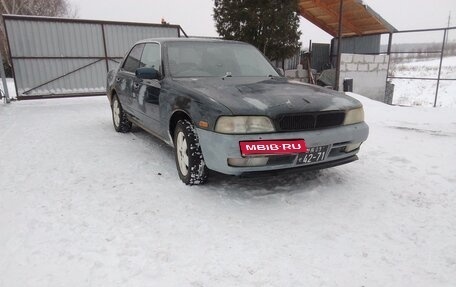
270 97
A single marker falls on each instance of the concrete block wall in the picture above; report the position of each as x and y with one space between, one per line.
368 73
298 74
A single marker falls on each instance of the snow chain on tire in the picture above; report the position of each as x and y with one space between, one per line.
124 124
197 170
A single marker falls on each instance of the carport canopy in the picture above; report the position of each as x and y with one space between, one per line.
358 19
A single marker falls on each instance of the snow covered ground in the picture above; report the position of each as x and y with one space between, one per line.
81 205
411 92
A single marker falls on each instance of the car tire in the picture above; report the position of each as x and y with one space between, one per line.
187 151
119 117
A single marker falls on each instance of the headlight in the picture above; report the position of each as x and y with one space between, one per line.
244 125
354 116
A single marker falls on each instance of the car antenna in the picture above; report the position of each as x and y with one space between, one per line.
227 75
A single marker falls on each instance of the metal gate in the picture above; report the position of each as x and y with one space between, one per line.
59 57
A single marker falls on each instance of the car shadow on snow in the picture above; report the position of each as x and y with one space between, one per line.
290 182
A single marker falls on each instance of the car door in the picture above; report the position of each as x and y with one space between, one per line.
150 89
127 85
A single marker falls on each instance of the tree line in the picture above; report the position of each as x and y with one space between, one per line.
419 51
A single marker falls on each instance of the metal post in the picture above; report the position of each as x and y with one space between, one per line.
390 40
339 38
5 86
104 47
440 67
388 52
183 32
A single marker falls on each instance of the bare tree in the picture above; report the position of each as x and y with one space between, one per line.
55 8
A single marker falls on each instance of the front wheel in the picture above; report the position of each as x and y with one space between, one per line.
119 117
189 158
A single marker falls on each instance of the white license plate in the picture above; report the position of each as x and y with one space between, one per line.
313 154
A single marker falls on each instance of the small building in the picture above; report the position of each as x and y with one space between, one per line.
360 31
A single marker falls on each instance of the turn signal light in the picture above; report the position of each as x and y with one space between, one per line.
352 147
249 161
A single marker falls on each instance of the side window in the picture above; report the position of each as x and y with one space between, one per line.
132 61
151 56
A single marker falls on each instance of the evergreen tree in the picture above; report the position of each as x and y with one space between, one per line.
270 25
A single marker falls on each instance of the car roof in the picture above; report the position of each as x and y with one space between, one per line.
175 39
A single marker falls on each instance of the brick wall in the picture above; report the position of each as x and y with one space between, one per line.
368 73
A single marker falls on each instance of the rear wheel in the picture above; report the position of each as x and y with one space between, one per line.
119 117
189 158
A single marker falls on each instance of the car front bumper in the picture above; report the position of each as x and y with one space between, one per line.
218 148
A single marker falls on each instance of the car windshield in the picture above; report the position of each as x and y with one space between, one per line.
217 59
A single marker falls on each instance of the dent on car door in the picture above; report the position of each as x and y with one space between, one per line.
150 87
125 79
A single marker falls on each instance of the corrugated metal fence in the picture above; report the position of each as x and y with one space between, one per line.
59 57
290 63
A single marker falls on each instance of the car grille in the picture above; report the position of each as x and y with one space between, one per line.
304 122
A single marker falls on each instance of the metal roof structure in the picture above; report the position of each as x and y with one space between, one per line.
358 19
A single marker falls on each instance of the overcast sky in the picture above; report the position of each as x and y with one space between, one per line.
195 16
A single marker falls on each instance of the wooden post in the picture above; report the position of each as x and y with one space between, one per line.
339 38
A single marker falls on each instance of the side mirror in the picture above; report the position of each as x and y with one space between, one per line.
148 73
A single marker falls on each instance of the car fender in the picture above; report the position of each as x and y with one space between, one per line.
197 106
